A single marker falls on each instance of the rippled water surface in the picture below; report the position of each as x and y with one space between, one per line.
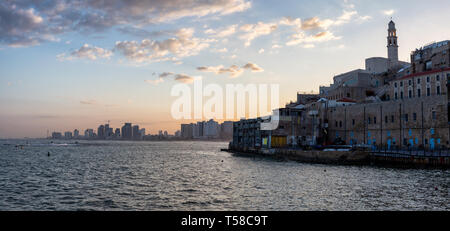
198 176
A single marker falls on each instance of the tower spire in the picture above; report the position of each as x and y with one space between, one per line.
392 44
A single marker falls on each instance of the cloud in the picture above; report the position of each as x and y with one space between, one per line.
223 32
139 32
234 70
301 38
22 26
88 102
182 45
223 50
253 31
184 78
289 21
306 31
165 74
155 82
253 67
388 12
276 46
31 22
87 52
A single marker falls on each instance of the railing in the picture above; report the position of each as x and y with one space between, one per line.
411 152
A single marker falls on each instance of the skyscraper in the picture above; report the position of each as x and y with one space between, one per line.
136 133
117 133
101 132
127 132
76 133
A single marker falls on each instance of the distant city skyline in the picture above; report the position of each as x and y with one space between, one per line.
209 130
77 73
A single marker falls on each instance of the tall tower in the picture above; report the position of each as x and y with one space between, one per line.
392 45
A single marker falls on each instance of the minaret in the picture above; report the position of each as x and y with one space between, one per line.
392 45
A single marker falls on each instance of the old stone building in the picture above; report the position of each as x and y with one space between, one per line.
391 104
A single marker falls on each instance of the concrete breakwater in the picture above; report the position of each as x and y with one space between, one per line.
348 157
312 156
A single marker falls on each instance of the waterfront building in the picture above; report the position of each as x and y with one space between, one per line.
135 132
88 133
101 132
391 104
76 133
432 57
127 132
211 129
187 131
141 133
67 135
117 133
226 130
56 135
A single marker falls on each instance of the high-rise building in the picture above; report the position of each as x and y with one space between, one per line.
56 135
101 132
117 133
68 135
142 132
136 134
108 131
226 130
88 133
76 133
187 131
127 132
211 129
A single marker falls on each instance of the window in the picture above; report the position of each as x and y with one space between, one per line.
336 123
395 84
428 79
418 93
438 90
396 95
340 124
428 65
369 121
392 119
406 118
374 120
418 81
409 82
353 122
428 91
401 83
385 119
410 93
438 78
415 116
401 95
433 114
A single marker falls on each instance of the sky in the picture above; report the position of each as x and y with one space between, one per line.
68 65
